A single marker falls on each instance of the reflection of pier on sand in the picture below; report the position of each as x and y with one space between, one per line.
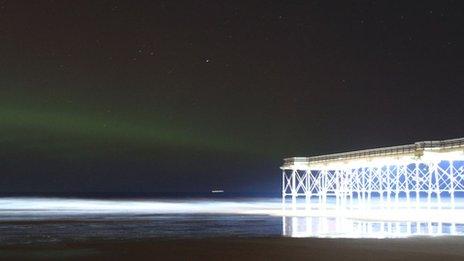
375 221
323 226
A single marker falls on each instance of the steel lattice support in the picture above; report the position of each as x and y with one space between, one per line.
355 187
426 175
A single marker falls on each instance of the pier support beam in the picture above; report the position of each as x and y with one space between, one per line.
354 180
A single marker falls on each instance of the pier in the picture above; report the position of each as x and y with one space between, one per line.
423 175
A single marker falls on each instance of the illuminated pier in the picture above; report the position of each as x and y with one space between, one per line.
423 175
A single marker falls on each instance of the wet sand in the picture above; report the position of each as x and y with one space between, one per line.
420 248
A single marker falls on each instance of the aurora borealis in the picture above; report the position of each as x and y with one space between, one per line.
165 96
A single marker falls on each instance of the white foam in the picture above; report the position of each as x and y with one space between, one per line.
11 207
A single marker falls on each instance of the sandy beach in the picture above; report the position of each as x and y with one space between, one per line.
420 248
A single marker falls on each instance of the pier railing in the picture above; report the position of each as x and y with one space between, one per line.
410 149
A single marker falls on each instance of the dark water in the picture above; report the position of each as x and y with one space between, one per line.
134 227
45 220
30 221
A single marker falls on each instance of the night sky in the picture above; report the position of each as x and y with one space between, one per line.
188 96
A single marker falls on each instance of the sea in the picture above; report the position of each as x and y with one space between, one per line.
30 220
35 220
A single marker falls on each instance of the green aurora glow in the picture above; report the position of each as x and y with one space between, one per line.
65 129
